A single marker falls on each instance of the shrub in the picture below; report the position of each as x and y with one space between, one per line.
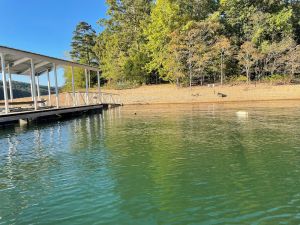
277 79
120 85
235 80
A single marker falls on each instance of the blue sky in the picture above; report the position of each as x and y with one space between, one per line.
46 26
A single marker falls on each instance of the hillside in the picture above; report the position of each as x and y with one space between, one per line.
21 89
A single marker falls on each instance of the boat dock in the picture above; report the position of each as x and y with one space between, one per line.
33 66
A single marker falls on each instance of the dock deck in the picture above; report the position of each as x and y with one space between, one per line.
51 113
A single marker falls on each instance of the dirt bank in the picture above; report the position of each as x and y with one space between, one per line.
159 94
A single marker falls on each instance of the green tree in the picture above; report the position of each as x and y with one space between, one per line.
82 44
197 9
164 19
79 78
111 57
181 40
120 46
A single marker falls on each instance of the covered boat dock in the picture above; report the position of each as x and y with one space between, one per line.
15 62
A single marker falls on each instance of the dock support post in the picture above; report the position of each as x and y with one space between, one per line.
49 89
73 86
86 88
56 85
23 122
10 84
4 83
38 88
31 89
99 90
33 84
89 78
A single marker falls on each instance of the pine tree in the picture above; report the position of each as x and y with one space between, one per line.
82 44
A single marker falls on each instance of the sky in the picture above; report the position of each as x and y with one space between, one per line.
46 26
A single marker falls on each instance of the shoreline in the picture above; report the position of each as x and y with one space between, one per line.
170 94
214 102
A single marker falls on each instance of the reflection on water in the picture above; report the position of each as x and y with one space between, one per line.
154 165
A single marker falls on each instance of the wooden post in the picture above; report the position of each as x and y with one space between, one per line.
56 85
33 84
38 87
89 78
31 87
86 88
49 89
99 90
4 83
10 84
73 86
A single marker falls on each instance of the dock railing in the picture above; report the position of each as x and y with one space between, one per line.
92 98
66 99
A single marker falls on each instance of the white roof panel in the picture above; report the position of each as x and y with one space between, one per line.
19 61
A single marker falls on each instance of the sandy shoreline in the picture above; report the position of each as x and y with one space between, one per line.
262 94
170 94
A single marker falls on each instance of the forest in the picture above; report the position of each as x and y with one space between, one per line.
191 42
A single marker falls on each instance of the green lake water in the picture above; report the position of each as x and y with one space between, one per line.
155 165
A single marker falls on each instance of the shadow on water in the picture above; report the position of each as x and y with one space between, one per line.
147 165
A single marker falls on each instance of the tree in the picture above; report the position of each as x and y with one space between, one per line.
181 41
292 61
222 46
79 78
194 41
175 60
199 38
120 45
110 55
82 44
164 19
202 62
274 51
189 45
247 57
197 9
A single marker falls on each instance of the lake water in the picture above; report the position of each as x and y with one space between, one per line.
155 165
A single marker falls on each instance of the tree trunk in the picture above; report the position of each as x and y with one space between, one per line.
190 70
221 68
292 73
247 73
